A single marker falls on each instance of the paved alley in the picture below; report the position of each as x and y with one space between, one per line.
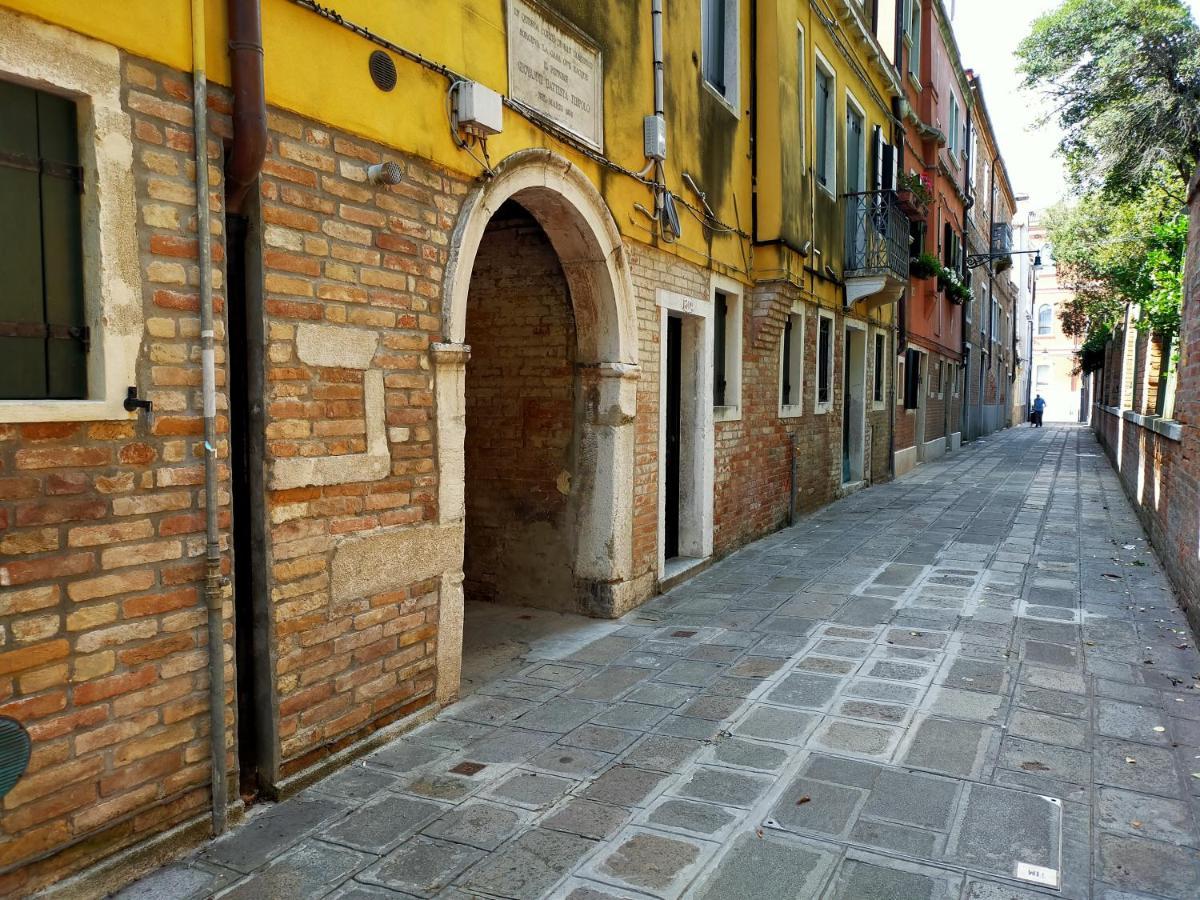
970 683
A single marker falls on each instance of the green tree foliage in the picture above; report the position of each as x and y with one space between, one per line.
1113 253
1124 80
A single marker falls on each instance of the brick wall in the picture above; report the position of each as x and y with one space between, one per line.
343 252
1161 473
102 621
520 419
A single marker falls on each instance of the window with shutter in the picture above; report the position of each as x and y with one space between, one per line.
43 333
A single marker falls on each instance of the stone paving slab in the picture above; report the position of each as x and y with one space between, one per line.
972 683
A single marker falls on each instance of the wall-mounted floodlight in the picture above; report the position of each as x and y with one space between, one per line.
384 173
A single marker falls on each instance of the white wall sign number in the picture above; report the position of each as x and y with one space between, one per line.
1037 874
555 71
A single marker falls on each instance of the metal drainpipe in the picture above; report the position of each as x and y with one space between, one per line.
213 583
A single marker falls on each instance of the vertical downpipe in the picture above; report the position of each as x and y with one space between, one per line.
213 582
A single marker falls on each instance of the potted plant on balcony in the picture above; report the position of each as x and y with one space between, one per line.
950 282
924 266
912 194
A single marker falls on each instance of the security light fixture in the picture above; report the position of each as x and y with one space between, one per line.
384 173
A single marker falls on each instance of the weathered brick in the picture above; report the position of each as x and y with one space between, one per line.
109 585
30 657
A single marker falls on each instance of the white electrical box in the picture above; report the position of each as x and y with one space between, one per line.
479 109
654 137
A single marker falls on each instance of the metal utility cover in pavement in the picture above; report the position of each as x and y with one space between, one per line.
1008 833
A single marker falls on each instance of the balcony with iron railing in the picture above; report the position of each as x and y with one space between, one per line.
878 244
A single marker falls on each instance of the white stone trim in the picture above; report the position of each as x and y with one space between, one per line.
731 411
53 59
794 410
697 429
818 407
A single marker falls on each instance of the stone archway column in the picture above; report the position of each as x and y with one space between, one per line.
449 379
604 541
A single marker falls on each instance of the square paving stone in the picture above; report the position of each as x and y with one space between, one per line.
860 880
690 672
532 790
689 727
477 824
790 624
873 711
948 746
1142 865
402 756
529 866
604 650
608 684
865 611
811 691
836 769
702 819
888 691
861 738
510 745
659 694
557 674
1163 820
487 710
449 734
273 830
437 786
1037 726
926 640
178 882
310 869
662 752
600 737
732 751
624 786
826 665
776 723
652 862
1134 723
756 667
727 687
587 818
356 782
724 787
559 715
767 868
998 828
899 838
1059 703
1044 653
892 670
784 645
570 761
420 866
973 706
913 799
976 675
712 708
1046 760
634 716
1151 772
382 824
809 805
842 648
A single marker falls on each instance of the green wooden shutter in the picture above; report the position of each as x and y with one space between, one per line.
42 323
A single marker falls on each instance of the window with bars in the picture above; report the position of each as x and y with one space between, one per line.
791 385
824 362
880 369
43 331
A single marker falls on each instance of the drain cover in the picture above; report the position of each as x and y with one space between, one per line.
1008 833
14 753
468 768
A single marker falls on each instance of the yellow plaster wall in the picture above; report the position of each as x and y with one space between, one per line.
319 70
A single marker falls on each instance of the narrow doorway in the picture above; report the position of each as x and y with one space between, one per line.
921 360
672 425
853 405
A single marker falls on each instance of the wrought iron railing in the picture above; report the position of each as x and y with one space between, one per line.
877 236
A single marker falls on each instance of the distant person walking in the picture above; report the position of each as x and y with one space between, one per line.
1039 409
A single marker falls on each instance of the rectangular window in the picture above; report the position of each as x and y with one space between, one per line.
823 127
954 136
1043 378
824 362
855 150
43 333
791 369
900 382
719 26
912 378
935 385
914 40
727 352
880 386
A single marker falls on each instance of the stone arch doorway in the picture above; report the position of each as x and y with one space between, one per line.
535 438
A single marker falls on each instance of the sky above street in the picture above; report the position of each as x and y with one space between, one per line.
988 36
